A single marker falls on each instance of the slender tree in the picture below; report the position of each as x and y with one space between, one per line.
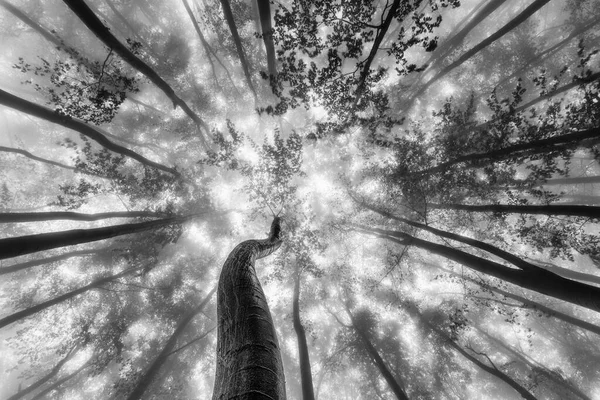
44 393
74 216
167 350
303 353
551 210
248 357
87 130
48 260
87 16
264 12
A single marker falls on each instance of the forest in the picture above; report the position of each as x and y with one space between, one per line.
300 199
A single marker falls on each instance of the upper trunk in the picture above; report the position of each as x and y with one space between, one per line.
248 358
303 354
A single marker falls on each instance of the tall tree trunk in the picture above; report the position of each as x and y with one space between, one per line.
248 358
167 350
238 45
18 246
516 21
539 369
47 260
393 383
539 280
43 394
94 24
57 300
51 374
554 143
31 23
36 158
303 354
89 131
264 12
552 209
74 216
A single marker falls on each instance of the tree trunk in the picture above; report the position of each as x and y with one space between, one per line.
554 143
248 358
539 280
57 300
47 260
31 23
36 158
73 216
516 21
553 209
45 378
94 24
303 354
152 371
43 393
89 131
264 12
238 44
18 246
392 382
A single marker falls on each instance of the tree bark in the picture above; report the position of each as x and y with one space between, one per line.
303 353
393 383
57 300
516 21
18 246
248 358
94 24
552 209
554 143
89 131
45 378
540 280
73 216
152 371
264 12
238 44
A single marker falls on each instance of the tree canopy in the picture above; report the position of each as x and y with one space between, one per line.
431 168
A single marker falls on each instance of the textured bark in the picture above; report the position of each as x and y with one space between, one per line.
167 350
51 374
87 130
18 246
540 280
238 44
303 354
554 143
57 300
264 12
74 216
553 209
47 260
395 386
248 358
94 24
516 21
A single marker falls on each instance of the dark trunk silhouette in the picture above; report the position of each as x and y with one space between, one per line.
553 209
87 130
31 23
538 280
516 21
191 342
51 374
167 350
58 383
303 354
57 300
264 12
47 260
36 158
74 216
18 246
554 143
94 24
238 44
248 357
395 386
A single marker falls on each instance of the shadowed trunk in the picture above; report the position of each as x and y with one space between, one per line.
49 115
58 383
264 12
74 216
553 209
152 371
248 358
18 246
94 24
36 158
31 23
57 300
303 354
538 280
47 260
